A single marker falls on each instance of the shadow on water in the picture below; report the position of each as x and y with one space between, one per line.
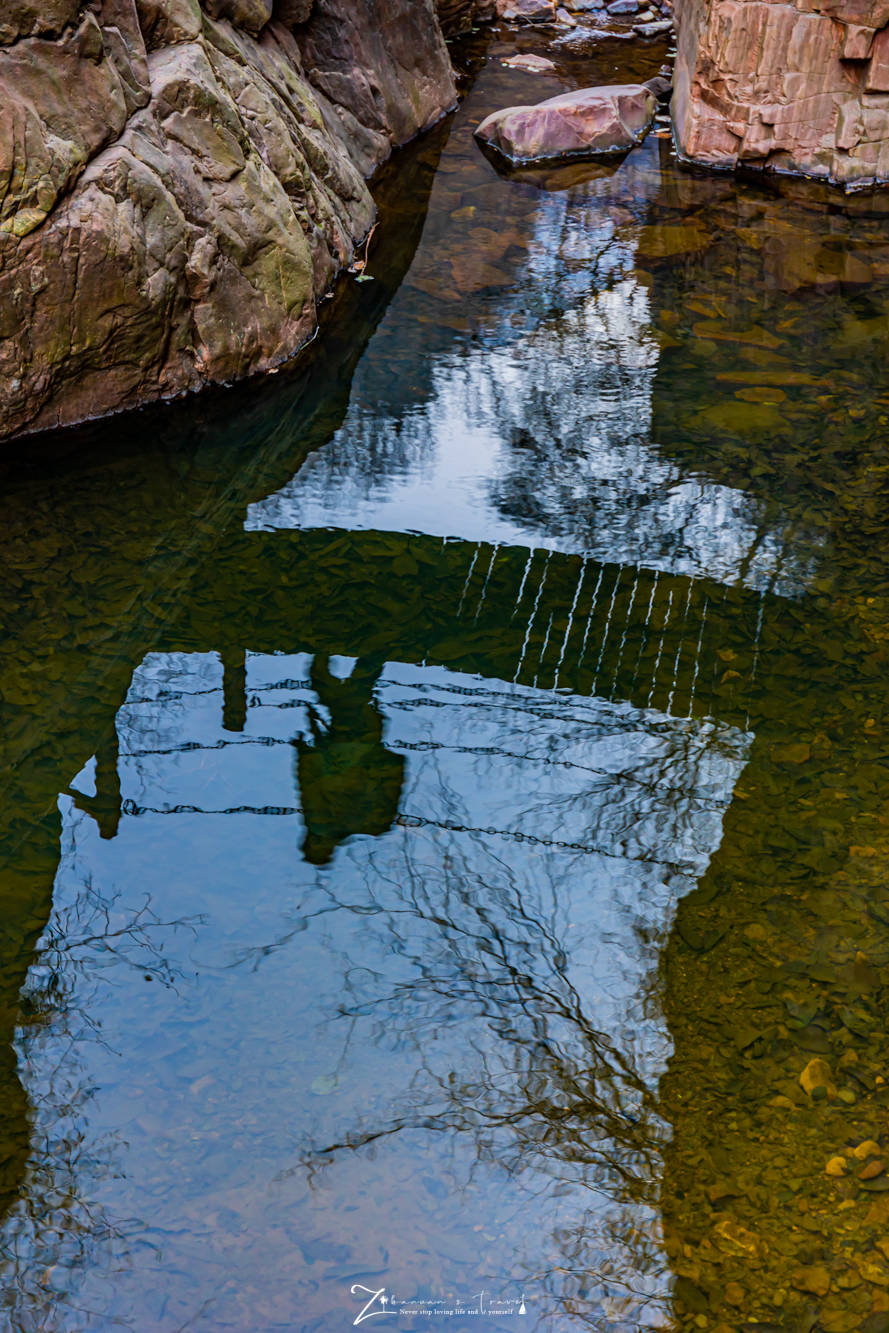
632 687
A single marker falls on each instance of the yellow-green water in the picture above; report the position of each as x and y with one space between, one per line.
445 785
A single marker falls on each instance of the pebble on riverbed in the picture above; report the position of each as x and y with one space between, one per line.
865 1149
817 1079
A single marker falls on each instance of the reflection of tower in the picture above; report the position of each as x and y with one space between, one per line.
349 782
522 1309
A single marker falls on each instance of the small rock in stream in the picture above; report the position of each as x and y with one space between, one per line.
661 87
531 63
653 29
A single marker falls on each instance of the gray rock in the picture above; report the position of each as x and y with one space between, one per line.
618 8
656 29
661 87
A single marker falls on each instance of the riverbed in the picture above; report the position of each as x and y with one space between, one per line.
446 784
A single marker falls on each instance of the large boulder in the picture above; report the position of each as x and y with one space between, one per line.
585 123
177 192
795 87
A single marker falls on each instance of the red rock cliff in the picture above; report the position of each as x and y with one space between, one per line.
800 87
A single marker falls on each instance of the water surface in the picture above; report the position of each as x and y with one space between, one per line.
445 785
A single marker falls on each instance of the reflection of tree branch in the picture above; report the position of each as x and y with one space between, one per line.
554 1095
53 1225
62 940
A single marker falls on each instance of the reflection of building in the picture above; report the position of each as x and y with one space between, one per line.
349 782
615 783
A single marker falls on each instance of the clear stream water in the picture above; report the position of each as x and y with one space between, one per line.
445 785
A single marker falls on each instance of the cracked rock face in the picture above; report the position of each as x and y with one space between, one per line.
800 87
180 182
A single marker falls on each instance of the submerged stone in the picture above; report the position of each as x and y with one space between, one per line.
583 123
817 1076
815 1280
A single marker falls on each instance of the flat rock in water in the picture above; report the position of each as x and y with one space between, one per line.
584 41
655 29
585 123
533 64
620 7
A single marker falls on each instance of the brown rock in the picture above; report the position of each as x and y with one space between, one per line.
584 123
771 85
251 15
381 67
293 12
815 1280
36 18
164 22
186 194
62 102
865 1149
457 16
873 1271
817 1075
